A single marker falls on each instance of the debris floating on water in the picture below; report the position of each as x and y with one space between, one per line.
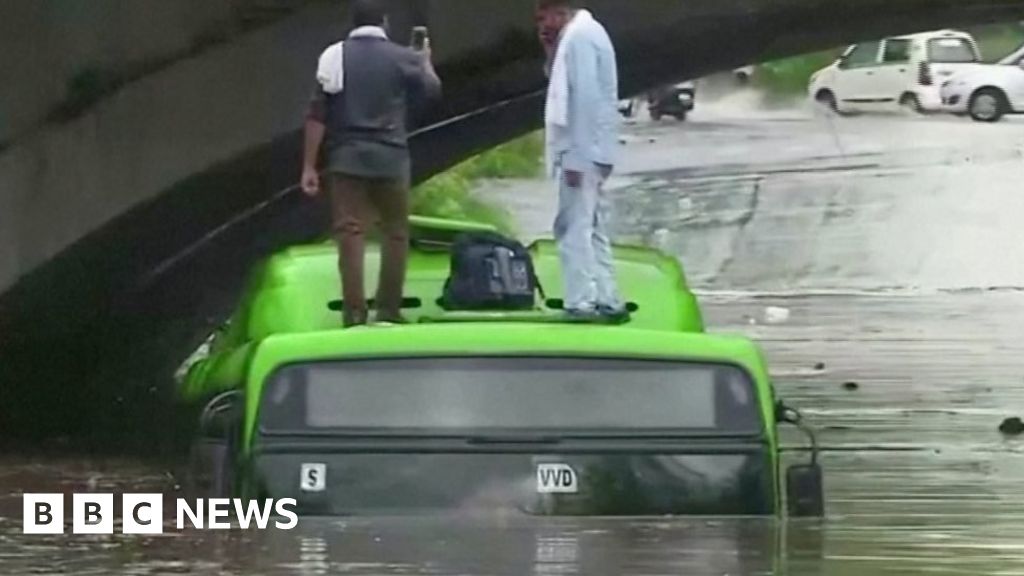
685 206
851 386
661 237
819 366
1012 426
776 315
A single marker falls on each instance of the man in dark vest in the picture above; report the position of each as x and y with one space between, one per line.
367 86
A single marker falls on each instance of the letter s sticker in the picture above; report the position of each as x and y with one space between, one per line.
313 477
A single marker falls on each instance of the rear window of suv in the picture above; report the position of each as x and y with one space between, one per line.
522 393
951 51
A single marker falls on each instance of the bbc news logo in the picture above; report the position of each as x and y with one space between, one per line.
144 514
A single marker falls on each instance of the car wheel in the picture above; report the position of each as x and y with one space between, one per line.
910 102
988 105
827 99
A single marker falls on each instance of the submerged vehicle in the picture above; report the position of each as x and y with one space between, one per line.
488 412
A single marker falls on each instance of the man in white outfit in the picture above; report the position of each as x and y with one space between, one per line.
582 125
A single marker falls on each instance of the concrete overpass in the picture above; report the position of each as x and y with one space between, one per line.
129 216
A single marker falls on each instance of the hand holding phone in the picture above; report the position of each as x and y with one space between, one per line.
420 39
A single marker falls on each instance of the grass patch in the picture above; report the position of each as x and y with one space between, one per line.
998 40
790 76
450 194
520 158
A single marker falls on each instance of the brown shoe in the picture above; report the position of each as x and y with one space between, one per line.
391 319
353 318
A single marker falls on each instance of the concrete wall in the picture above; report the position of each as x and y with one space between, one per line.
455 33
47 42
64 181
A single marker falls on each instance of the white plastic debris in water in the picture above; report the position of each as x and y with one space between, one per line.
776 315
660 237
685 205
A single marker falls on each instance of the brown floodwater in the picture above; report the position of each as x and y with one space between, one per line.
918 478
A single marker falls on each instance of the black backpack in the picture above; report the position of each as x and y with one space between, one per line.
490 272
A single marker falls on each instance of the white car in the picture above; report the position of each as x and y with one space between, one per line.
905 71
990 92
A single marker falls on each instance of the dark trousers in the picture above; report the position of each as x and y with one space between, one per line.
354 203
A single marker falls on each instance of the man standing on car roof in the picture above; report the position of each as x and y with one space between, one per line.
367 86
582 125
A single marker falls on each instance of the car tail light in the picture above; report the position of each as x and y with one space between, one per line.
924 74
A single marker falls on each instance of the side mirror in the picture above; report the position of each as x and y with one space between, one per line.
805 486
211 462
805 491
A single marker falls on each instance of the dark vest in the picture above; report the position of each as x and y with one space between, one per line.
380 79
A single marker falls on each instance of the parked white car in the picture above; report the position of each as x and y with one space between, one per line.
905 71
990 92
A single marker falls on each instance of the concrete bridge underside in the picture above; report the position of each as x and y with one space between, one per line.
126 230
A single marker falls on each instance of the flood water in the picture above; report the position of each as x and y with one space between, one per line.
876 259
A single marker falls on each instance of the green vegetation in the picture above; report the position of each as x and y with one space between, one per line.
789 76
998 40
520 158
450 195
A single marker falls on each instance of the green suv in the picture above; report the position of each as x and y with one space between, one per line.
492 411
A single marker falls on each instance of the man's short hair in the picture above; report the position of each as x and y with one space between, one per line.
368 13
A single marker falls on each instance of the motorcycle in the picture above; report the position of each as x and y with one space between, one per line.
676 100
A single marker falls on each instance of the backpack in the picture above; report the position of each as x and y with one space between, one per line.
490 272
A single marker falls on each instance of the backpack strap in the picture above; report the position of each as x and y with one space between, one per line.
540 287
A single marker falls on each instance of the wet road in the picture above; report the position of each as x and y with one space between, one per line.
877 251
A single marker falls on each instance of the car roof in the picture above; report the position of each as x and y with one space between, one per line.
507 339
934 34
298 289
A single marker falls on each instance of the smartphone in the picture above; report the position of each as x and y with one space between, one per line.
420 38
